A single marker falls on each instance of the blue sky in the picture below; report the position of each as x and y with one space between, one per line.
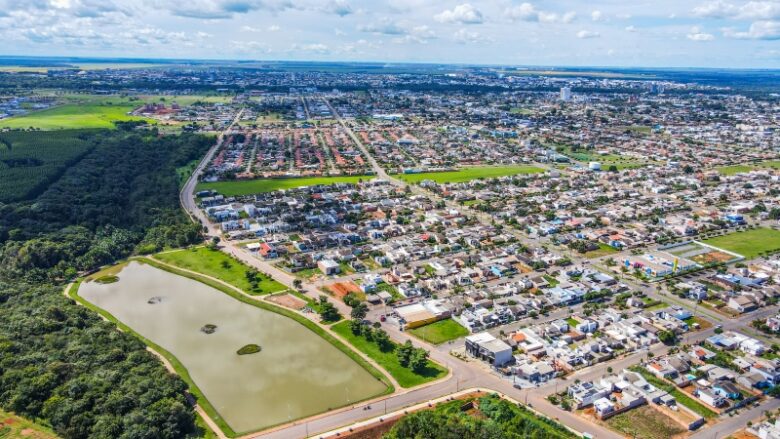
652 33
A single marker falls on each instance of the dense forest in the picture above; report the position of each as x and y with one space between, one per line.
489 417
59 362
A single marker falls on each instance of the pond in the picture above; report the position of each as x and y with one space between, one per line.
295 374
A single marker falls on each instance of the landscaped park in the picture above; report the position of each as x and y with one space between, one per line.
300 362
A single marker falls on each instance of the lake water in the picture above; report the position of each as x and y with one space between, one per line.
296 374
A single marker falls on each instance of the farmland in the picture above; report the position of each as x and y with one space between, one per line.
750 243
248 187
30 161
471 173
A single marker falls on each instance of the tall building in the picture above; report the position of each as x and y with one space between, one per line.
565 94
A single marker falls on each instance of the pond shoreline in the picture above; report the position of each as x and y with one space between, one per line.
182 371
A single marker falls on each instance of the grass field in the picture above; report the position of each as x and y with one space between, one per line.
471 173
750 243
603 250
249 187
218 264
12 426
389 360
440 332
93 113
734 169
645 422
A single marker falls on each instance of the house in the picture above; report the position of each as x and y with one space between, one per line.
585 394
329 266
603 407
538 372
710 398
741 304
488 348
726 389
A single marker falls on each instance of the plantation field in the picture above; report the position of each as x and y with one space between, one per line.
249 187
471 173
440 332
750 243
30 161
218 264
388 360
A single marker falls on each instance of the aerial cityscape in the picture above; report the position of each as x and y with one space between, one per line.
428 236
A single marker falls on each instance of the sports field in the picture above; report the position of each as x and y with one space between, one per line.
750 243
249 187
471 173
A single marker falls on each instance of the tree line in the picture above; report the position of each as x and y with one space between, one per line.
60 364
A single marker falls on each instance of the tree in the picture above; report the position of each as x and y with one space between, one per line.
667 337
297 284
356 326
359 311
328 312
382 340
419 360
404 353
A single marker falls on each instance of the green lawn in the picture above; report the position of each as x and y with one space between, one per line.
440 332
603 250
749 243
471 173
249 187
95 114
734 169
218 264
389 360
774 164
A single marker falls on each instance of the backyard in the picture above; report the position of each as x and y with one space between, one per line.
221 266
388 359
440 332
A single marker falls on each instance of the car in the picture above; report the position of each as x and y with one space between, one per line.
382 318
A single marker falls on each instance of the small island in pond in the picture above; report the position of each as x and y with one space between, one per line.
208 329
249 349
107 279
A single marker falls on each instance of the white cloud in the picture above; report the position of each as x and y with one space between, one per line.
464 36
696 34
759 30
338 7
631 28
585 34
528 12
752 10
314 47
596 15
461 14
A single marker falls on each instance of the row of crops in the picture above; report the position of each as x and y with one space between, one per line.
30 161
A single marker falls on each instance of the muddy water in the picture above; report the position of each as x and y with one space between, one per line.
296 374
